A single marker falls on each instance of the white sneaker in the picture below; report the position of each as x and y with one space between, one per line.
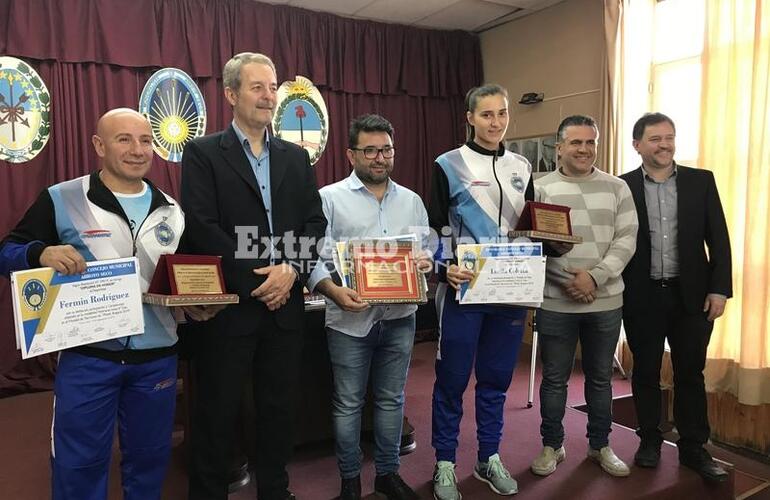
494 473
445 482
547 461
611 464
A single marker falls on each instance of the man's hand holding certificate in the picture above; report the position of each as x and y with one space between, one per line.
53 311
504 273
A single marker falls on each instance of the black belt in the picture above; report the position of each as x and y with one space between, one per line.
126 356
665 282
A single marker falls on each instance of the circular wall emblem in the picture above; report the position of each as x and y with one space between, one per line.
301 117
25 111
164 234
176 110
34 293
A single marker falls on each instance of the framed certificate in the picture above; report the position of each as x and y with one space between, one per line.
384 271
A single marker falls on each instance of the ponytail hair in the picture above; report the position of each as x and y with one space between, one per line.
472 100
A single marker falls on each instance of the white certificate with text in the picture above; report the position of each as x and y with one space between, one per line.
505 273
53 312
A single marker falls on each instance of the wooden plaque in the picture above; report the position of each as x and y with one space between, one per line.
187 280
544 221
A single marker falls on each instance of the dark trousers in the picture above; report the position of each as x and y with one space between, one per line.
222 364
688 337
487 344
598 332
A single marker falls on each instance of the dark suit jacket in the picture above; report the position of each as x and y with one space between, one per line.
700 219
219 194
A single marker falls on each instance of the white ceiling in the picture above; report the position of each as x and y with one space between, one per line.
468 15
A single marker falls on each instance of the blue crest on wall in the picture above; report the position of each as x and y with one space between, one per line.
174 105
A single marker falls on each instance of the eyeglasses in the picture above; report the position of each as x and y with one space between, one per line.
370 152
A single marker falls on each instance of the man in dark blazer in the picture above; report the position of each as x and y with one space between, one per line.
674 291
252 199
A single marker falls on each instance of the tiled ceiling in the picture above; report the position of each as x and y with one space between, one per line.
468 15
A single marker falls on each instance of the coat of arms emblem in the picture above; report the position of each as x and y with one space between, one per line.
177 112
25 111
301 117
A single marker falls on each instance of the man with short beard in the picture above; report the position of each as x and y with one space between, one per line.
368 204
674 291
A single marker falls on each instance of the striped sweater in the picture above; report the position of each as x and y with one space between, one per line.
603 214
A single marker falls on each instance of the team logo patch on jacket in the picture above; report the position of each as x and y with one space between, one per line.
517 183
164 234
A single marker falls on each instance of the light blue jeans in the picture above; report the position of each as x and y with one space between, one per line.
386 351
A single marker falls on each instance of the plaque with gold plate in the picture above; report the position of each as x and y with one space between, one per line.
384 271
188 280
545 222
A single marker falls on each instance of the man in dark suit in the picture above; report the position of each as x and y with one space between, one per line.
674 291
252 199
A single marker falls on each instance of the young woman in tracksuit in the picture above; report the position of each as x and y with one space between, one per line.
478 191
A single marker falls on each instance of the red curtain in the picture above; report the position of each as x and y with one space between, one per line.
95 55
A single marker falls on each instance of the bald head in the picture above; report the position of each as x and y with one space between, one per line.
123 142
117 116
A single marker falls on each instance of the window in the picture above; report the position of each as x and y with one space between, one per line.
676 72
662 71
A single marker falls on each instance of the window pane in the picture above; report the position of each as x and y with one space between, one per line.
679 26
676 92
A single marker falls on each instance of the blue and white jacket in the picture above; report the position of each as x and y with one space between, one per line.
479 193
85 214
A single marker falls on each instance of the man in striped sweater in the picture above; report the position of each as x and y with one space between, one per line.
583 295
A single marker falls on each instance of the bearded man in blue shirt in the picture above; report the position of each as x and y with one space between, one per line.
368 204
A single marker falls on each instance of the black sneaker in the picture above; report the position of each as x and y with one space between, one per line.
351 489
648 454
701 462
393 487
